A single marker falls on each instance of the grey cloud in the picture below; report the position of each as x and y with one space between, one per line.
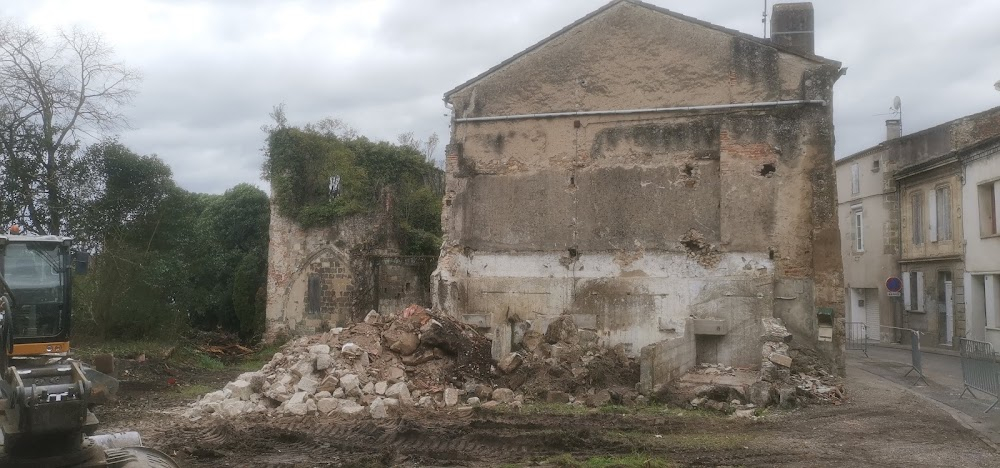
205 97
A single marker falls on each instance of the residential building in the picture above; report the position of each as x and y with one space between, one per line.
981 202
903 213
866 194
666 181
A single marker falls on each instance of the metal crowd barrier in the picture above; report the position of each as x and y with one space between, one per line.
916 358
857 336
980 370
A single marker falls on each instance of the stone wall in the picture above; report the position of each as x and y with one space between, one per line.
327 277
637 222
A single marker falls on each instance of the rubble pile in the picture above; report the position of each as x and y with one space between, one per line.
419 359
566 364
775 383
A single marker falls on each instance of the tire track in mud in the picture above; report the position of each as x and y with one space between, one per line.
483 438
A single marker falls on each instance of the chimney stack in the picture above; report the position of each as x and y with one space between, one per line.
893 129
792 27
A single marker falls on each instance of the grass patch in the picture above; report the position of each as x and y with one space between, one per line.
124 349
623 461
705 441
554 408
205 361
195 390
257 360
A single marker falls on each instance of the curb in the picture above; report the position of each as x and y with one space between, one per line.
965 420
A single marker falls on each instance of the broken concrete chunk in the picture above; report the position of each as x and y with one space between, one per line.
510 363
780 359
377 409
557 397
473 401
531 340
323 361
503 395
240 390
599 398
490 404
405 344
761 394
307 384
349 407
787 398
380 387
562 330
484 392
329 384
372 317
774 330
401 392
450 396
305 366
351 350
256 380
327 405
350 383
318 349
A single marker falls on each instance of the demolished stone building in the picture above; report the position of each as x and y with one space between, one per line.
667 181
329 276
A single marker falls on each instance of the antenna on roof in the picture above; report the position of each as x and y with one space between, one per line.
897 110
763 21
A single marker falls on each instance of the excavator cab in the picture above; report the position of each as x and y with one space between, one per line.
45 395
38 271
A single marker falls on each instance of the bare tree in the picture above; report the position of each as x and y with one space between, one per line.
52 91
426 148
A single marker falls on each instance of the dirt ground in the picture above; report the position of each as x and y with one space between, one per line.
879 425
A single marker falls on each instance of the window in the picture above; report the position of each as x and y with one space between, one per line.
917 212
913 291
855 179
940 205
859 239
988 204
876 165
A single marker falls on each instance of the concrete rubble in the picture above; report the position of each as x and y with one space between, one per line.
740 391
417 359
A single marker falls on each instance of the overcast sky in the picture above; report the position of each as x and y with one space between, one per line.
214 69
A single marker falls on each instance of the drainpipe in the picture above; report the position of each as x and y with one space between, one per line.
898 303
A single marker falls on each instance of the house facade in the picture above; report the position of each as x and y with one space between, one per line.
981 200
666 181
932 261
904 210
866 208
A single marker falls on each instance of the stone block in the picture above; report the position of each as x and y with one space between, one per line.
503 395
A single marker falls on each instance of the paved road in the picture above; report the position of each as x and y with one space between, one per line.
943 388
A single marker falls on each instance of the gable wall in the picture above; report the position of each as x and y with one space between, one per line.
635 222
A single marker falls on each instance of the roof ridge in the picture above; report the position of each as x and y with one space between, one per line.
648 6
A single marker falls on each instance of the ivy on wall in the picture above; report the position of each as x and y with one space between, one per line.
319 175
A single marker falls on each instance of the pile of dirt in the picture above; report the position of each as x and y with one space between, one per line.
422 359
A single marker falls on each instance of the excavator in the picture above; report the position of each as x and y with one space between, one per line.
45 395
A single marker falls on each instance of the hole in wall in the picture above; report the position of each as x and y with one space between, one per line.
572 180
688 170
573 252
767 169
447 202
770 253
